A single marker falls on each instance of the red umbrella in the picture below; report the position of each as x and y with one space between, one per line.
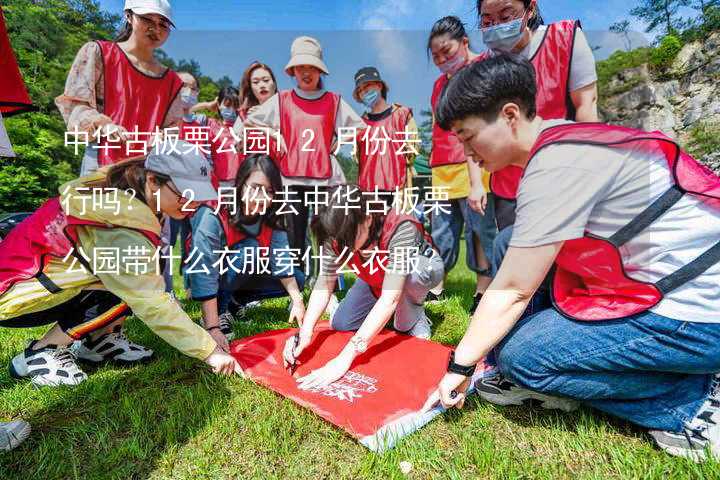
13 95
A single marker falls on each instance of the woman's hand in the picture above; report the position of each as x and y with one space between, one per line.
450 392
220 339
291 351
331 372
297 312
477 200
222 363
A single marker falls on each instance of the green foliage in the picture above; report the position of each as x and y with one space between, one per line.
663 56
704 139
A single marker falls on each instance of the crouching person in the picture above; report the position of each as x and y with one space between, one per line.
55 270
631 225
396 266
242 253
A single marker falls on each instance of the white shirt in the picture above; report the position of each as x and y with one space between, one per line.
567 190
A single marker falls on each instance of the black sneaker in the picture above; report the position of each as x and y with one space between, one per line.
499 390
700 437
476 302
49 366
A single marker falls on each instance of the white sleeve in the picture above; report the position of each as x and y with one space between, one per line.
582 67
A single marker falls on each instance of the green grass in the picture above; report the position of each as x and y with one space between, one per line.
171 418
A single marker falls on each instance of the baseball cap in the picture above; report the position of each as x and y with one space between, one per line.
365 75
143 7
186 166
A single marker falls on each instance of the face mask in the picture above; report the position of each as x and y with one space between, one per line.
188 98
504 37
370 99
453 65
228 114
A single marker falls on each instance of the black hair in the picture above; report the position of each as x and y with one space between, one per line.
484 87
263 163
229 93
338 221
534 22
126 30
450 25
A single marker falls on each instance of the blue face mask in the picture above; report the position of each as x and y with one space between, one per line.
370 98
504 37
228 114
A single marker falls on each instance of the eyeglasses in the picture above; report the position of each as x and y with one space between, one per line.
163 25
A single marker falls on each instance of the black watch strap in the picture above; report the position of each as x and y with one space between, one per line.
459 369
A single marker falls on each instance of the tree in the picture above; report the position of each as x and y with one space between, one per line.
623 28
659 14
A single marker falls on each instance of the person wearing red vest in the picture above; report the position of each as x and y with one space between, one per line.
260 264
58 268
631 226
308 119
449 46
566 83
385 151
116 88
396 265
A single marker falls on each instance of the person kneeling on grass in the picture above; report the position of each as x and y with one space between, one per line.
53 269
631 224
255 236
396 265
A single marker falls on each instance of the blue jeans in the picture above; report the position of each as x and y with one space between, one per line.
651 370
447 229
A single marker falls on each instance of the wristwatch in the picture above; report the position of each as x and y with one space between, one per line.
459 369
359 344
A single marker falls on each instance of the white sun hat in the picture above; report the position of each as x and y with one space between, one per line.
143 7
306 51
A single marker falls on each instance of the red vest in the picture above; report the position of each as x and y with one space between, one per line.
48 232
13 95
446 148
552 64
132 99
308 128
590 281
373 274
383 169
224 152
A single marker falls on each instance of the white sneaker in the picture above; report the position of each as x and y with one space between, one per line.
49 366
113 346
421 329
332 307
13 434
225 323
499 390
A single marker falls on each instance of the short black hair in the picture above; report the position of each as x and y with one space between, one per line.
485 86
450 25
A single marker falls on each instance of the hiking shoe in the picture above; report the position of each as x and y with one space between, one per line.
499 390
476 302
225 323
13 434
114 346
48 366
421 329
700 437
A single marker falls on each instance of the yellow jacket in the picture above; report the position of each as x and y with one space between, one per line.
141 288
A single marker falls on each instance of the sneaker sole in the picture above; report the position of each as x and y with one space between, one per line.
545 402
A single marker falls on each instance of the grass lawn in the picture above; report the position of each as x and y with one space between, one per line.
171 418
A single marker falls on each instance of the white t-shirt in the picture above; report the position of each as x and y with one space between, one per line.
582 65
5 146
567 190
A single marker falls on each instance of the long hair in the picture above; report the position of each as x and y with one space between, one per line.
533 23
247 97
337 222
258 163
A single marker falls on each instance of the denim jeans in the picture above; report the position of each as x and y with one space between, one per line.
447 228
358 302
648 369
